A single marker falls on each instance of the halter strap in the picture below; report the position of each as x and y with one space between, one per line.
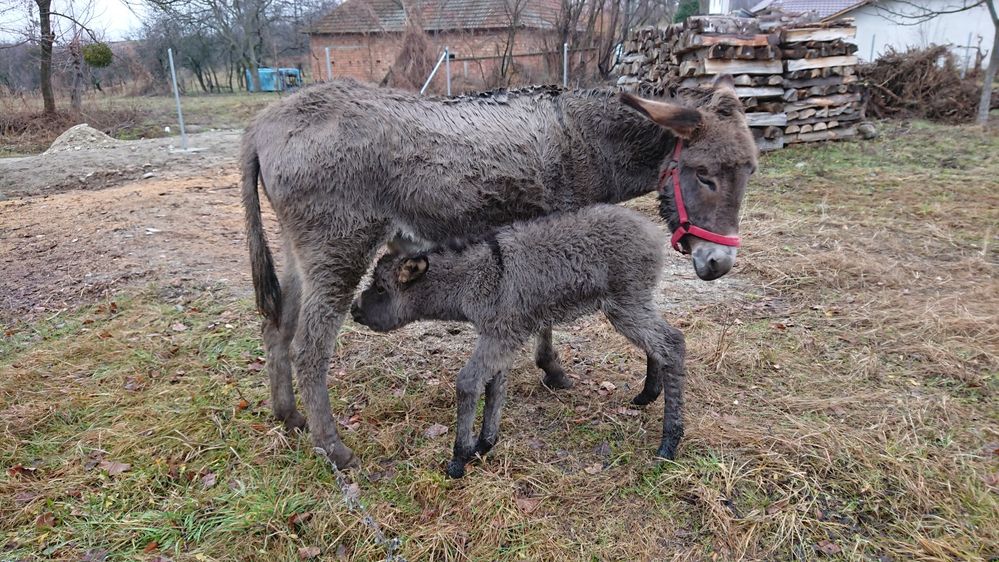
685 228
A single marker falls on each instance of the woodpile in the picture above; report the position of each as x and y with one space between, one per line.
796 84
820 82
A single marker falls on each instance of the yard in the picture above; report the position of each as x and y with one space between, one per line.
841 397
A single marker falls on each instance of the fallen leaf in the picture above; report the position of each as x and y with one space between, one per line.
104 335
828 547
178 327
627 411
297 519
527 505
308 552
256 365
115 468
208 480
45 520
24 498
603 450
242 405
435 431
94 555
151 546
608 386
20 470
594 468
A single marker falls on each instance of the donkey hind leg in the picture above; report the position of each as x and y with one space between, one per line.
331 269
653 383
490 360
546 358
640 322
277 342
495 396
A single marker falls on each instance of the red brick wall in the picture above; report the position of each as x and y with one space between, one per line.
369 57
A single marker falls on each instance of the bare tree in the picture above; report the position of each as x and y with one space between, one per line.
985 103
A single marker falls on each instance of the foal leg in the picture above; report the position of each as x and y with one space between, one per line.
490 359
331 269
653 383
638 320
546 358
495 396
277 342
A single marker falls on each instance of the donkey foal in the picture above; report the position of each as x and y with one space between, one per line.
520 281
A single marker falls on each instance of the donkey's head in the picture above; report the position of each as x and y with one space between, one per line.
712 167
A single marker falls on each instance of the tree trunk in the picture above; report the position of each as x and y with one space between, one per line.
47 37
76 92
990 75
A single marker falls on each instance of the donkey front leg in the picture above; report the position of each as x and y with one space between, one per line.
495 396
331 270
490 360
546 358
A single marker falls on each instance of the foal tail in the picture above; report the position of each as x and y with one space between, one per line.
265 281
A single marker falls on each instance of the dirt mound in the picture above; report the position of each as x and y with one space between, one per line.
81 137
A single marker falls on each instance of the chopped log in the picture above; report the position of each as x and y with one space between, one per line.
792 129
759 92
743 80
771 106
840 118
829 134
820 126
806 113
825 101
823 62
800 35
819 81
806 128
701 67
790 95
766 119
771 133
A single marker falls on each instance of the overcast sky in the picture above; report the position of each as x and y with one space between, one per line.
112 18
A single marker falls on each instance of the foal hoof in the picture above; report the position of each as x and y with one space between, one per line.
667 452
295 421
483 446
557 381
455 469
644 398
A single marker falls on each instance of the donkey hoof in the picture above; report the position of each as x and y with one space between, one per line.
455 469
557 381
667 452
341 456
483 446
295 421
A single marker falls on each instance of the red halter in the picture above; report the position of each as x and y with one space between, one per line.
673 169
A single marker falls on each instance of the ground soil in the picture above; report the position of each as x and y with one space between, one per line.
93 215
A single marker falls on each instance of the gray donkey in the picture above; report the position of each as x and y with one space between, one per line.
523 279
346 165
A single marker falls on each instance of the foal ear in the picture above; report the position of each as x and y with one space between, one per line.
724 81
412 269
683 121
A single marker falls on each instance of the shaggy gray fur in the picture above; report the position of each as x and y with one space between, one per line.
521 281
345 165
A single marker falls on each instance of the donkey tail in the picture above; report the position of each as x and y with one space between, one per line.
265 281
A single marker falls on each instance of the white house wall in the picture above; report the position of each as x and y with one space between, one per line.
877 27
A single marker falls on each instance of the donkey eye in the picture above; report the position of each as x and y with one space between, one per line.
379 290
709 183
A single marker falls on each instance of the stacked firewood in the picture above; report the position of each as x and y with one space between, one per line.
821 87
798 81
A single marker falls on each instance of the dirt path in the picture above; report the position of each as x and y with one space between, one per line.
184 225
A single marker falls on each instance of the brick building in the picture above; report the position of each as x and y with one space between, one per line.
365 36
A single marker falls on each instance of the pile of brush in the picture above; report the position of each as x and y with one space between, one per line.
920 83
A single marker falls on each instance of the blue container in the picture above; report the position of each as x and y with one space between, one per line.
275 79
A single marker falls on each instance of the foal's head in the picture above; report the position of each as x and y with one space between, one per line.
717 156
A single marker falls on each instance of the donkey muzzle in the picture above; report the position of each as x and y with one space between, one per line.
711 260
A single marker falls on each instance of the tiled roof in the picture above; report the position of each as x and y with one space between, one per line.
372 16
822 8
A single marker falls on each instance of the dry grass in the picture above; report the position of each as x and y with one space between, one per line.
845 409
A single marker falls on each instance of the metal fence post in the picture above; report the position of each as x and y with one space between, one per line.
967 57
565 64
447 69
176 96
433 72
329 65
873 37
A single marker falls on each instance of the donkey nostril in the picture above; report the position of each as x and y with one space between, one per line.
712 263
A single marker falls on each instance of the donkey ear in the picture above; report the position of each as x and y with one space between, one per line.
412 269
683 121
724 81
